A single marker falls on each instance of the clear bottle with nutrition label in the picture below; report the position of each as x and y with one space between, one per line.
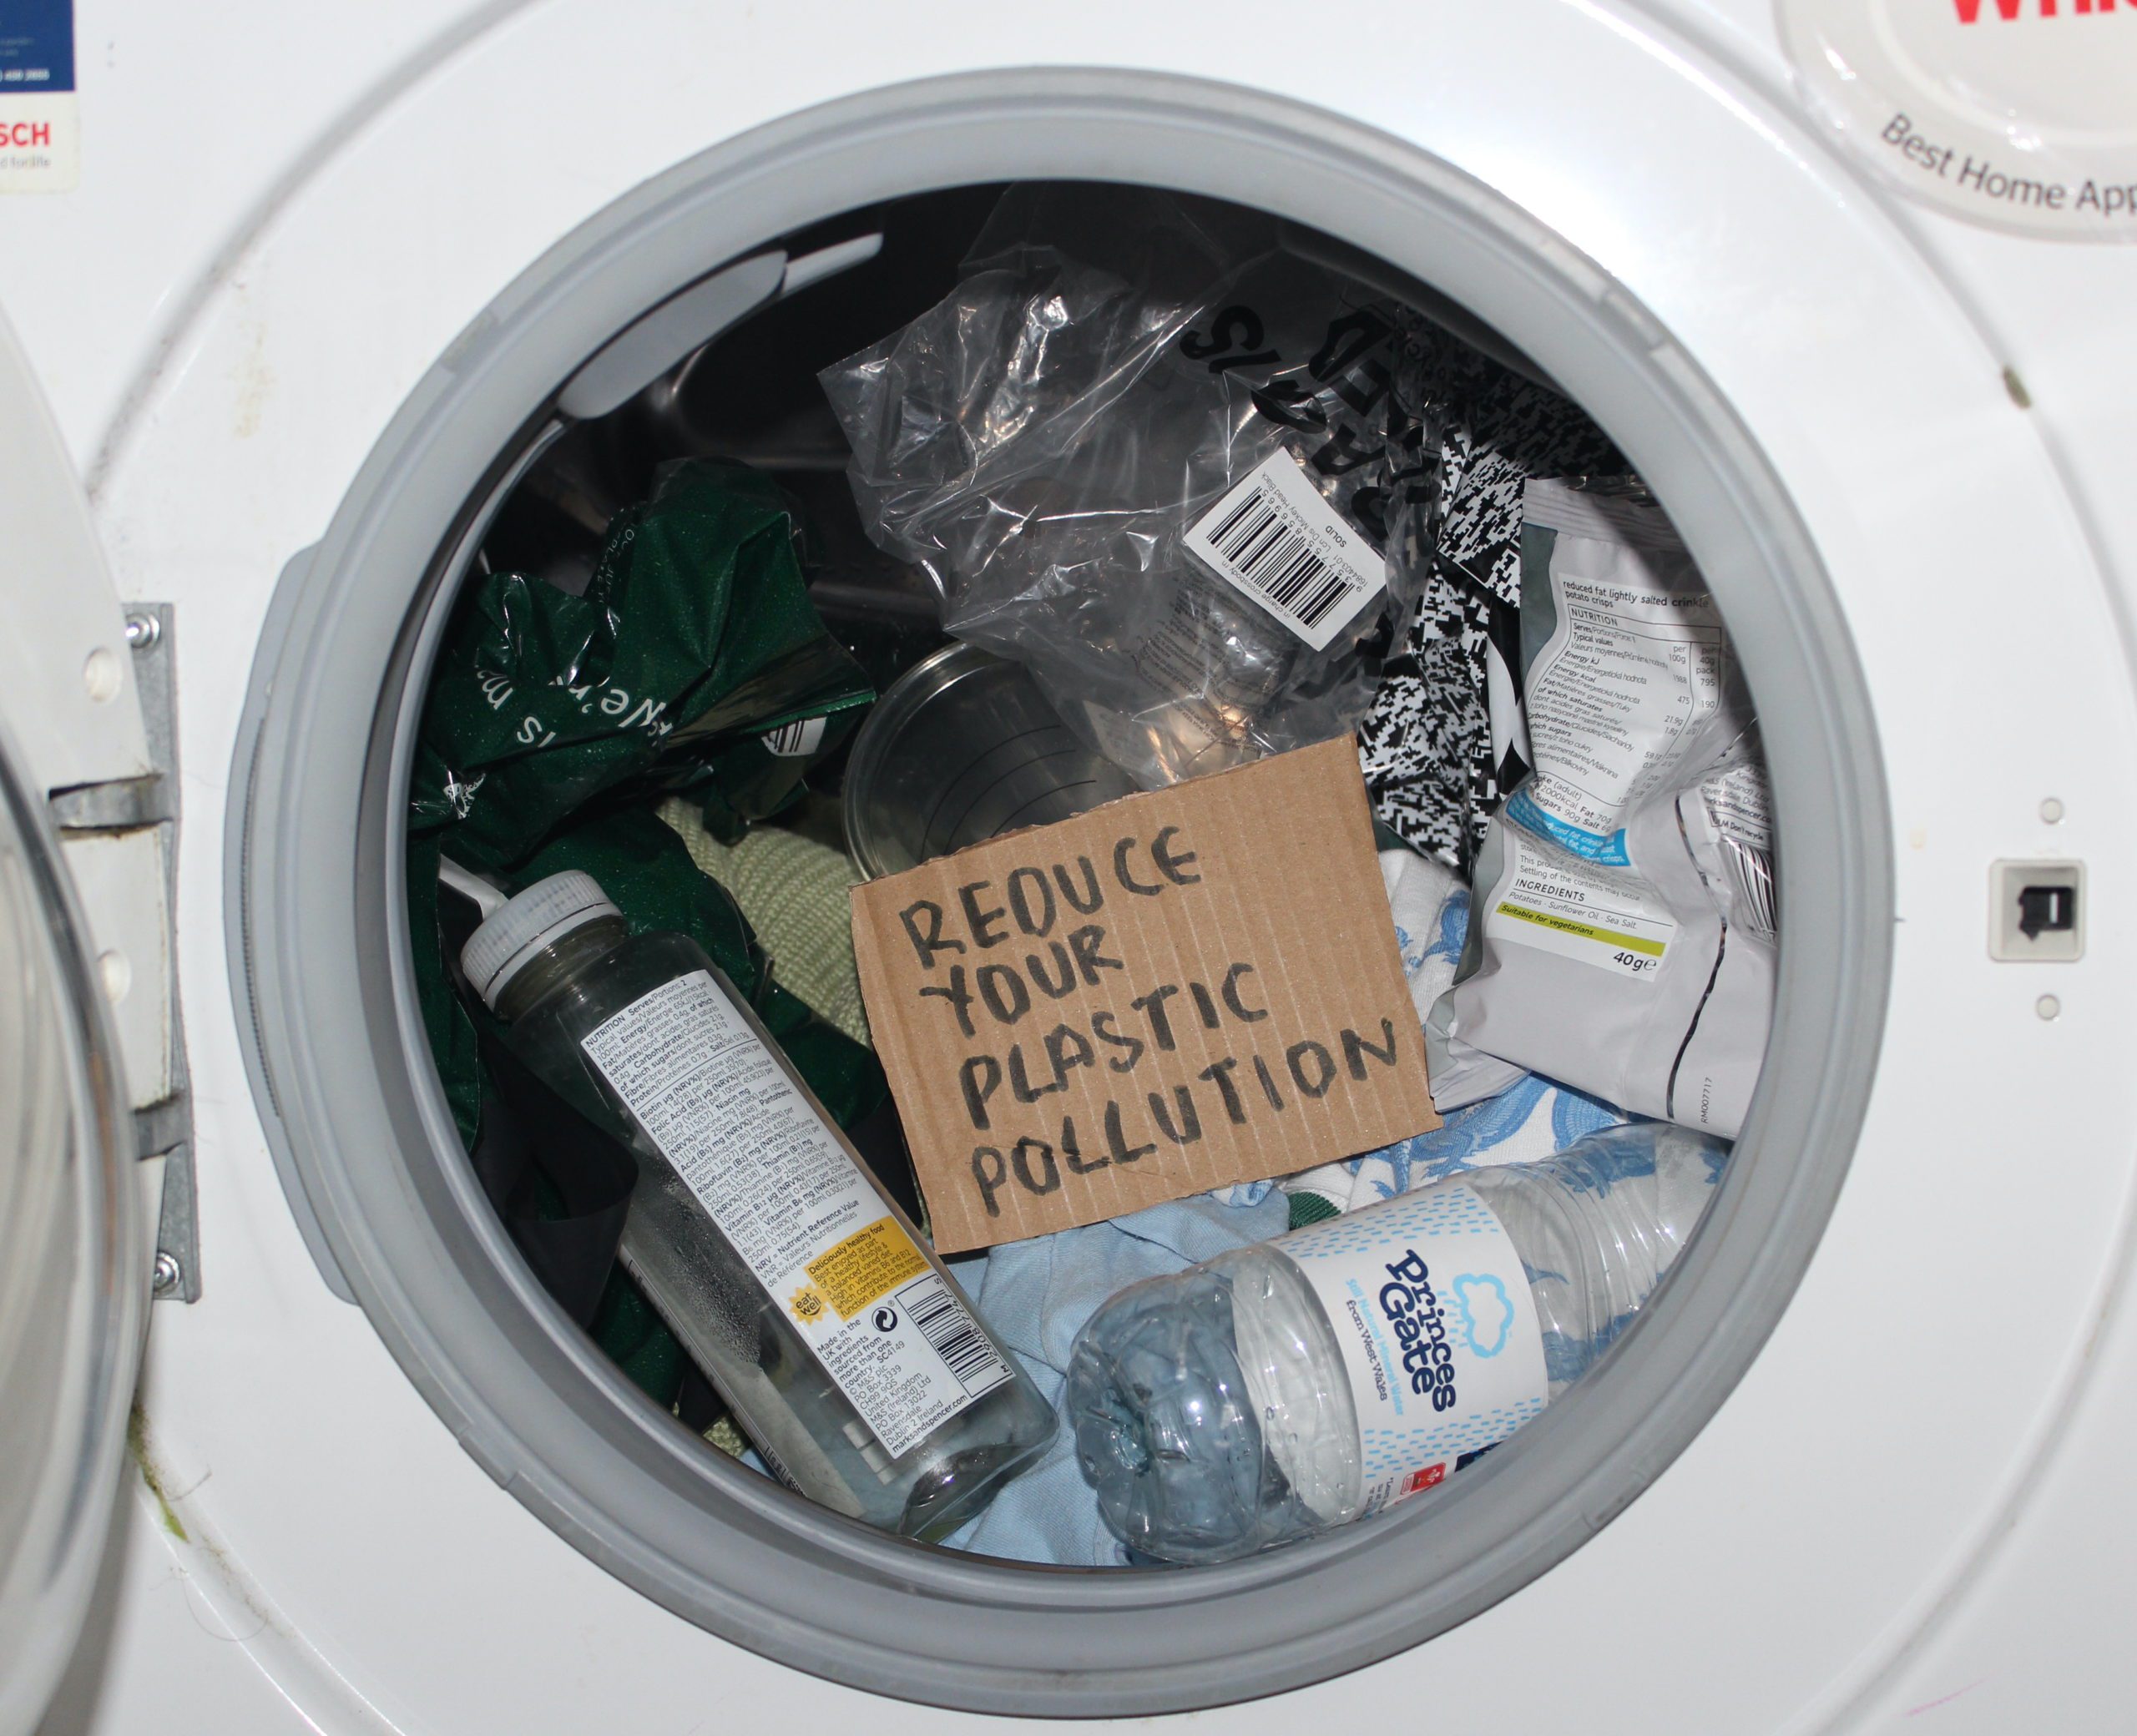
844 1348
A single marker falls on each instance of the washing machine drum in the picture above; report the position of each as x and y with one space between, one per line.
625 314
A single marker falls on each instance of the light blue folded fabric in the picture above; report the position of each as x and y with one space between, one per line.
1036 1295
1533 1117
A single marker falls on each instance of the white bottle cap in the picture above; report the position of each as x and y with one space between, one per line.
542 914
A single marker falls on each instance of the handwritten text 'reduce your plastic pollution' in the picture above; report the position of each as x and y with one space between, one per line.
1180 990
1045 921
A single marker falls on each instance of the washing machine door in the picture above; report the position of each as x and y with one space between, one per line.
73 1255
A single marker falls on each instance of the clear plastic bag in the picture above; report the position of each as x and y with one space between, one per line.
1044 440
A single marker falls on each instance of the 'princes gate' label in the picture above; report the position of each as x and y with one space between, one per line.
1431 1307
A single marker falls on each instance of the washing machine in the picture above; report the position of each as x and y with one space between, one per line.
295 298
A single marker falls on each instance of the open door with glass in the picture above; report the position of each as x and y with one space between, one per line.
85 831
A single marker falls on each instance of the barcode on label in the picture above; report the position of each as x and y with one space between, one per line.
949 1328
790 741
1276 539
1260 543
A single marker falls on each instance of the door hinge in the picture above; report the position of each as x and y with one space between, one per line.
120 843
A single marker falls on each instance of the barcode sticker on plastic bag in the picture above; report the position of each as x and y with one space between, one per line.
1275 539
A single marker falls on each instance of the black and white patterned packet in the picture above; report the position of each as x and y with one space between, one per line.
1426 744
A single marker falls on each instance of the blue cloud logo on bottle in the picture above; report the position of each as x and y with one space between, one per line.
1417 1318
1485 1309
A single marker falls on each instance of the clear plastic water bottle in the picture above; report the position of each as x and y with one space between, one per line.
1311 1380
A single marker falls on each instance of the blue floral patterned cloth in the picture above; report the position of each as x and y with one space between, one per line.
1533 1119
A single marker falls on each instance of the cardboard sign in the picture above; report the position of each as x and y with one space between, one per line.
1172 992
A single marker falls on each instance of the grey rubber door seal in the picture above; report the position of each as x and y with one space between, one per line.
320 957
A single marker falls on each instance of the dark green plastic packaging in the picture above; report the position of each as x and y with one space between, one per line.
695 639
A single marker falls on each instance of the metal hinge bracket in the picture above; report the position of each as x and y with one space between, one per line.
120 842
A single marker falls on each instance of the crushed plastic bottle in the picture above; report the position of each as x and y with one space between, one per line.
1308 1381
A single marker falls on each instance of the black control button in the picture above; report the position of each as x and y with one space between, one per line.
2047 910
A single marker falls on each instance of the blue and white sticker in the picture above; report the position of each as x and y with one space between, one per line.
1524 809
1431 1308
40 131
